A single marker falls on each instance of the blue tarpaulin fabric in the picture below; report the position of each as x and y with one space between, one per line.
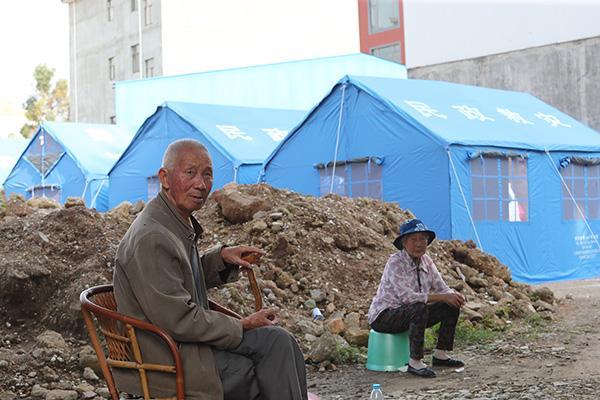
427 133
293 85
238 139
68 159
10 151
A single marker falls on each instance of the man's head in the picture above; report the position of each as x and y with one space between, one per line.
186 175
414 237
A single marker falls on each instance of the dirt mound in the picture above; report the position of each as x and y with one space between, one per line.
327 252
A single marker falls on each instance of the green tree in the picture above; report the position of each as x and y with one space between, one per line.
50 102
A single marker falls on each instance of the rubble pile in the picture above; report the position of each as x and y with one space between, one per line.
326 252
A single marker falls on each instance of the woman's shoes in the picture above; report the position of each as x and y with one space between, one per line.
422 372
448 362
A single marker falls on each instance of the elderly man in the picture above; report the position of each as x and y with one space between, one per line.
412 296
161 278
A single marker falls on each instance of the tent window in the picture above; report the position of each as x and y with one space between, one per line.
356 179
49 191
583 182
153 187
499 189
44 152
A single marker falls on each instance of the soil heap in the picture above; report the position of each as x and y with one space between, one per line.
327 252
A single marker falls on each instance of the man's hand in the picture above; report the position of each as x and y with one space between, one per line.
233 255
454 299
264 317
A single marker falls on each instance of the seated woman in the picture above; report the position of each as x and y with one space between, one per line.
413 296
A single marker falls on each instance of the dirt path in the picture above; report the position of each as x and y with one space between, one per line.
557 361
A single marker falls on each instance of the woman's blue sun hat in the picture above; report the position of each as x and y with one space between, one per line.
412 226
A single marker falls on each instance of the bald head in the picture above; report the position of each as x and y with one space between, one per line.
175 149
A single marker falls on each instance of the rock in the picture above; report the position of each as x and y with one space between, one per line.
330 308
85 387
345 242
87 358
258 226
476 281
8 396
38 391
41 238
137 208
307 326
352 320
284 279
323 348
471 315
317 295
276 216
122 212
43 203
74 202
474 305
58 394
88 395
282 248
88 374
336 325
540 305
276 226
17 206
52 340
103 392
238 207
544 294
357 336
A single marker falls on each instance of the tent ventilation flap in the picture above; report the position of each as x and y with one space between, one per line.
376 160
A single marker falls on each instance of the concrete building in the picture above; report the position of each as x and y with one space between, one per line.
114 40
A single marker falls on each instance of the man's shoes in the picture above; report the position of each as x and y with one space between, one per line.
422 372
449 362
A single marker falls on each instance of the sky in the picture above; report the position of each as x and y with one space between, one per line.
32 32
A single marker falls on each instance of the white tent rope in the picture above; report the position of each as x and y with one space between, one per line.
337 138
572 198
464 200
93 203
85 188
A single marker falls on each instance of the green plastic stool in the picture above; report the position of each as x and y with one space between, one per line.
387 351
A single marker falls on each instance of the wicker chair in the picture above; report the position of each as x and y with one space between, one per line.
121 342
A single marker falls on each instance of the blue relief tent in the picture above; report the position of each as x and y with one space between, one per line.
518 177
65 159
292 85
10 151
239 139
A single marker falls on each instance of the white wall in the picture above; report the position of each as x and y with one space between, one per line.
200 35
438 31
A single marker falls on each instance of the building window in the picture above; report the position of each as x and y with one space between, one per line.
383 15
499 189
111 68
109 10
134 4
583 181
390 52
135 58
147 12
149 68
153 187
352 179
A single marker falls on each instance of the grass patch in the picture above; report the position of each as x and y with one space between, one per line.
466 334
349 355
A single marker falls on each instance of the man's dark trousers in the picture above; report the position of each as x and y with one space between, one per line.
267 365
414 318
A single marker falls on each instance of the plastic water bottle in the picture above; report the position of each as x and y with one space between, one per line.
317 315
376 392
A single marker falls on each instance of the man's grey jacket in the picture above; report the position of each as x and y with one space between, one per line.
154 282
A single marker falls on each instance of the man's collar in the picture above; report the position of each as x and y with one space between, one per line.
195 230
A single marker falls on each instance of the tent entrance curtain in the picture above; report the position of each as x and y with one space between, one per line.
47 191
